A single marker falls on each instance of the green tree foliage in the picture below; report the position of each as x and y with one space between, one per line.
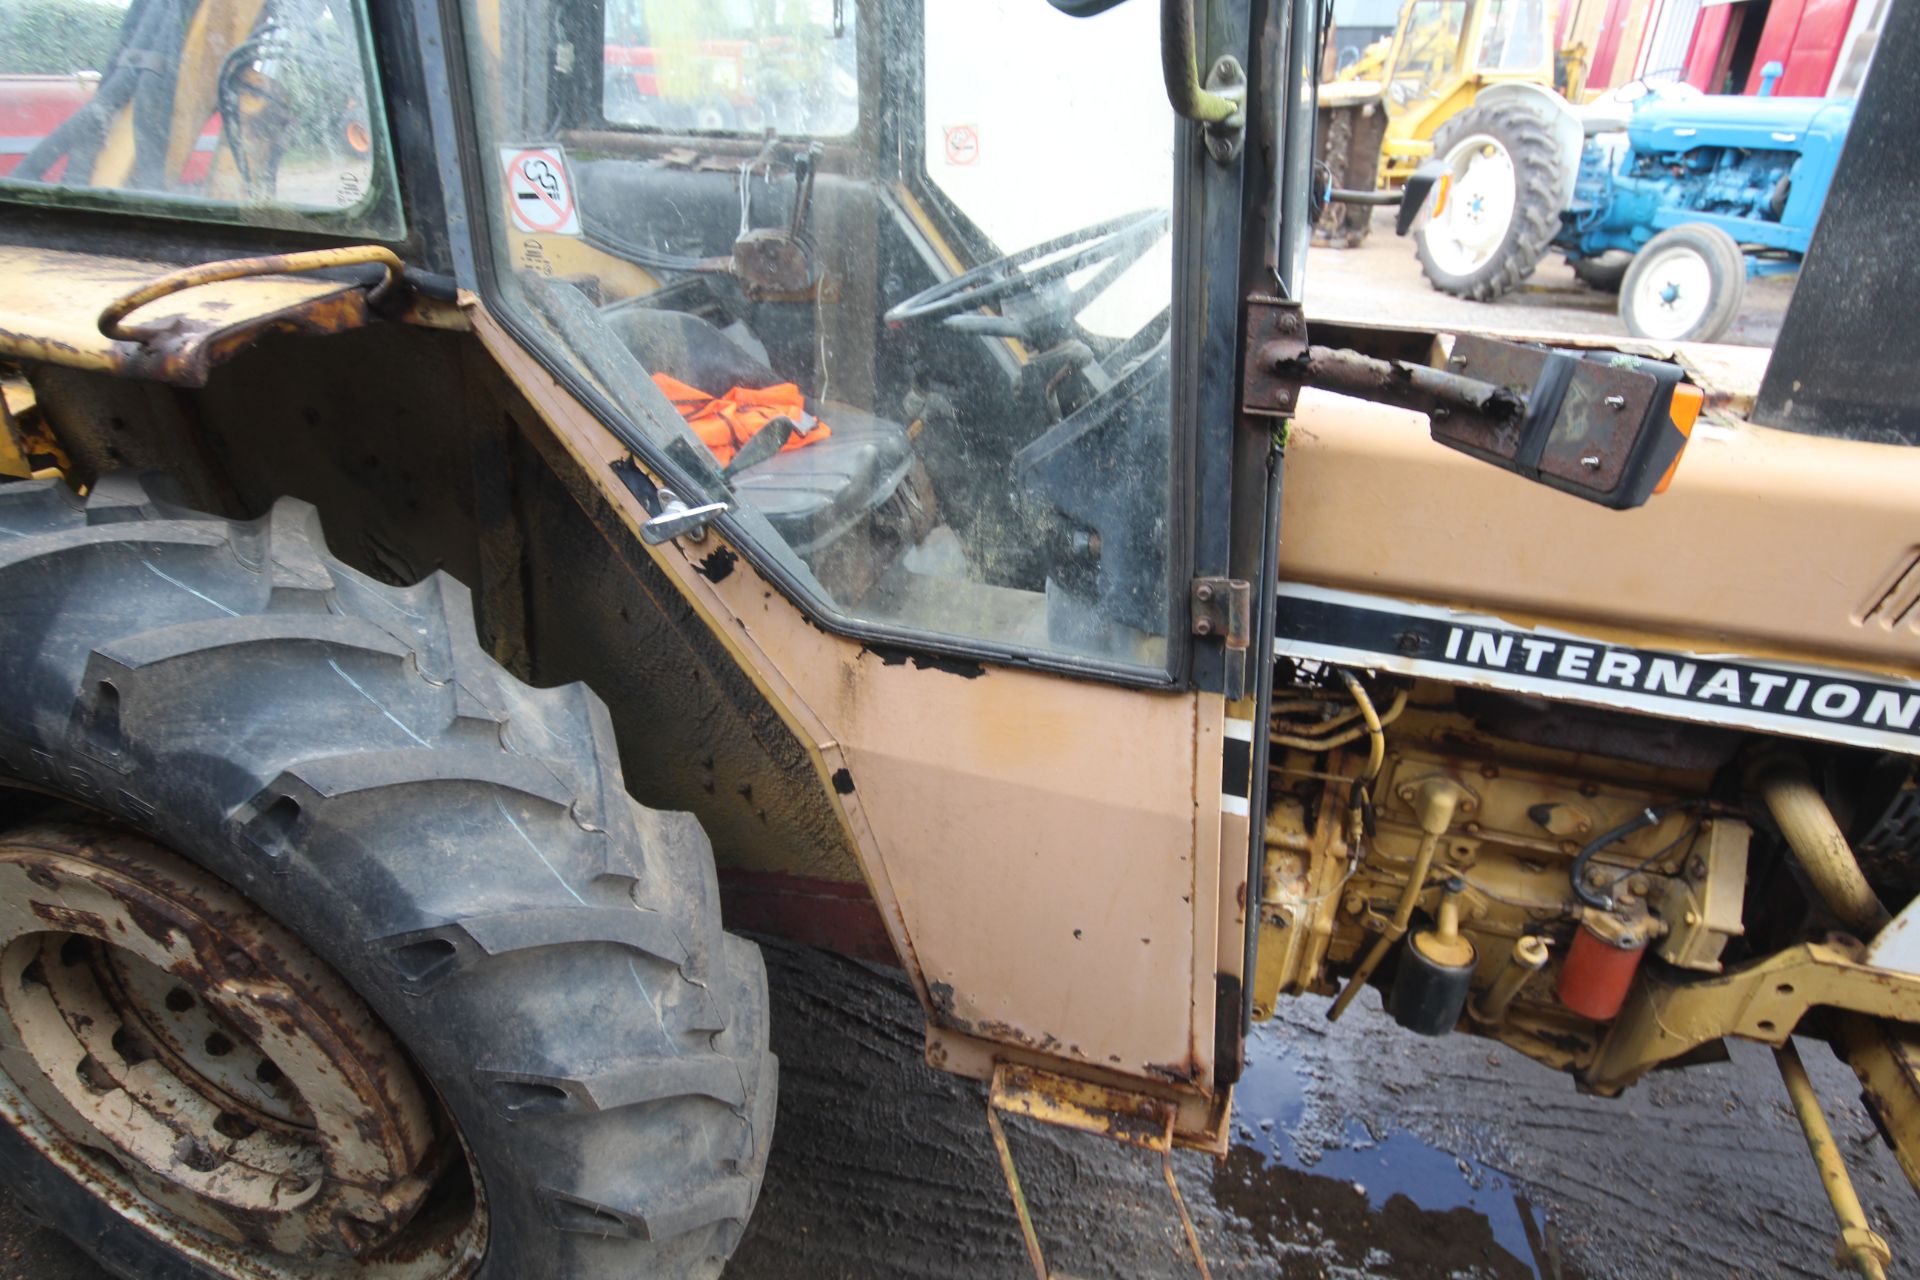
57 37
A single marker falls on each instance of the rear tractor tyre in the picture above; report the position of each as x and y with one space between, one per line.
1499 208
1336 223
1685 285
327 948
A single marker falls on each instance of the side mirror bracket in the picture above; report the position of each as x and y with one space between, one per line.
1600 425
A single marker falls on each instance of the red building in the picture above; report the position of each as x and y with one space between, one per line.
1723 46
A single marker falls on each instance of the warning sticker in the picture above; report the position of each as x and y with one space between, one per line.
539 192
963 144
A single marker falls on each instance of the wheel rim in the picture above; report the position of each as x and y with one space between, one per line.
1672 293
201 1072
1481 194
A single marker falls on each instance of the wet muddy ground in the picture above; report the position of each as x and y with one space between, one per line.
1359 1151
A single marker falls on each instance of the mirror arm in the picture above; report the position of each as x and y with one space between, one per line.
1603 426
1434 392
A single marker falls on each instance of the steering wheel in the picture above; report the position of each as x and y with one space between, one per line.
1030 285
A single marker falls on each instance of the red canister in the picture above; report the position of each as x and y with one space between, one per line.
1599 968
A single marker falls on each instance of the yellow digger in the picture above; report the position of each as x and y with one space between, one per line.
1378 118
472 550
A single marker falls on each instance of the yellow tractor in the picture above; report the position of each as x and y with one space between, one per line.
1378 118
470 549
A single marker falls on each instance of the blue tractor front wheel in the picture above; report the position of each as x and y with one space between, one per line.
1686 285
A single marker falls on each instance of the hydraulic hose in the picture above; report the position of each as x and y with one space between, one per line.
1376 737
1323 737
1651 817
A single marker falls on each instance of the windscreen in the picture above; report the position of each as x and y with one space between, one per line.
1428 49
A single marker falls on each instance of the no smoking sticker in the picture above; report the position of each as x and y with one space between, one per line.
539 192
963 144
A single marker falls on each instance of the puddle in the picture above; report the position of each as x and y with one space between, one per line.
1299 1178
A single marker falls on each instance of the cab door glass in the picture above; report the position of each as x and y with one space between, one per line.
732 65
1005 160
890 281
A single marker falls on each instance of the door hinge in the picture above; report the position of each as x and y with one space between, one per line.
1222 609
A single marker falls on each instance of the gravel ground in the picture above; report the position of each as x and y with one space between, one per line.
1381 282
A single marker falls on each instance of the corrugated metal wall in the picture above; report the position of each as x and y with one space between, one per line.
1663 56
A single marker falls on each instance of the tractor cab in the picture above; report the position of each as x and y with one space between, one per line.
906 322
1378 120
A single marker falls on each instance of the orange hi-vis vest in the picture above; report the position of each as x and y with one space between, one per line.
725 423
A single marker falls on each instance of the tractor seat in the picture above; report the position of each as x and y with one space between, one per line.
811 496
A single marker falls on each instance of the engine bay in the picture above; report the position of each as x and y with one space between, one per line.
1605 892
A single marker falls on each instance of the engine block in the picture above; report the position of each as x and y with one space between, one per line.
1341 852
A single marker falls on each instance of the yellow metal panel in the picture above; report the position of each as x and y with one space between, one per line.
1886 1057
50 304
216 31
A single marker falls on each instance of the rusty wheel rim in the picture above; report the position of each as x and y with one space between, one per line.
200 1070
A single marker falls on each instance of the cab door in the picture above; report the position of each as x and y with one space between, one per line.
966 263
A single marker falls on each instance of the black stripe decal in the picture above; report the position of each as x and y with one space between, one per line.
1236 768
1485 650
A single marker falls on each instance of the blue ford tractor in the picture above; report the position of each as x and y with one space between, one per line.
1671 200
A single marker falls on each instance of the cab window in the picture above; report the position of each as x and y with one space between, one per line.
1428 49
1515 36
228 112
732 65
892 281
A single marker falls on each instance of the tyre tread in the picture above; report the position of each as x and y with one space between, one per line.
1538 170
614 983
